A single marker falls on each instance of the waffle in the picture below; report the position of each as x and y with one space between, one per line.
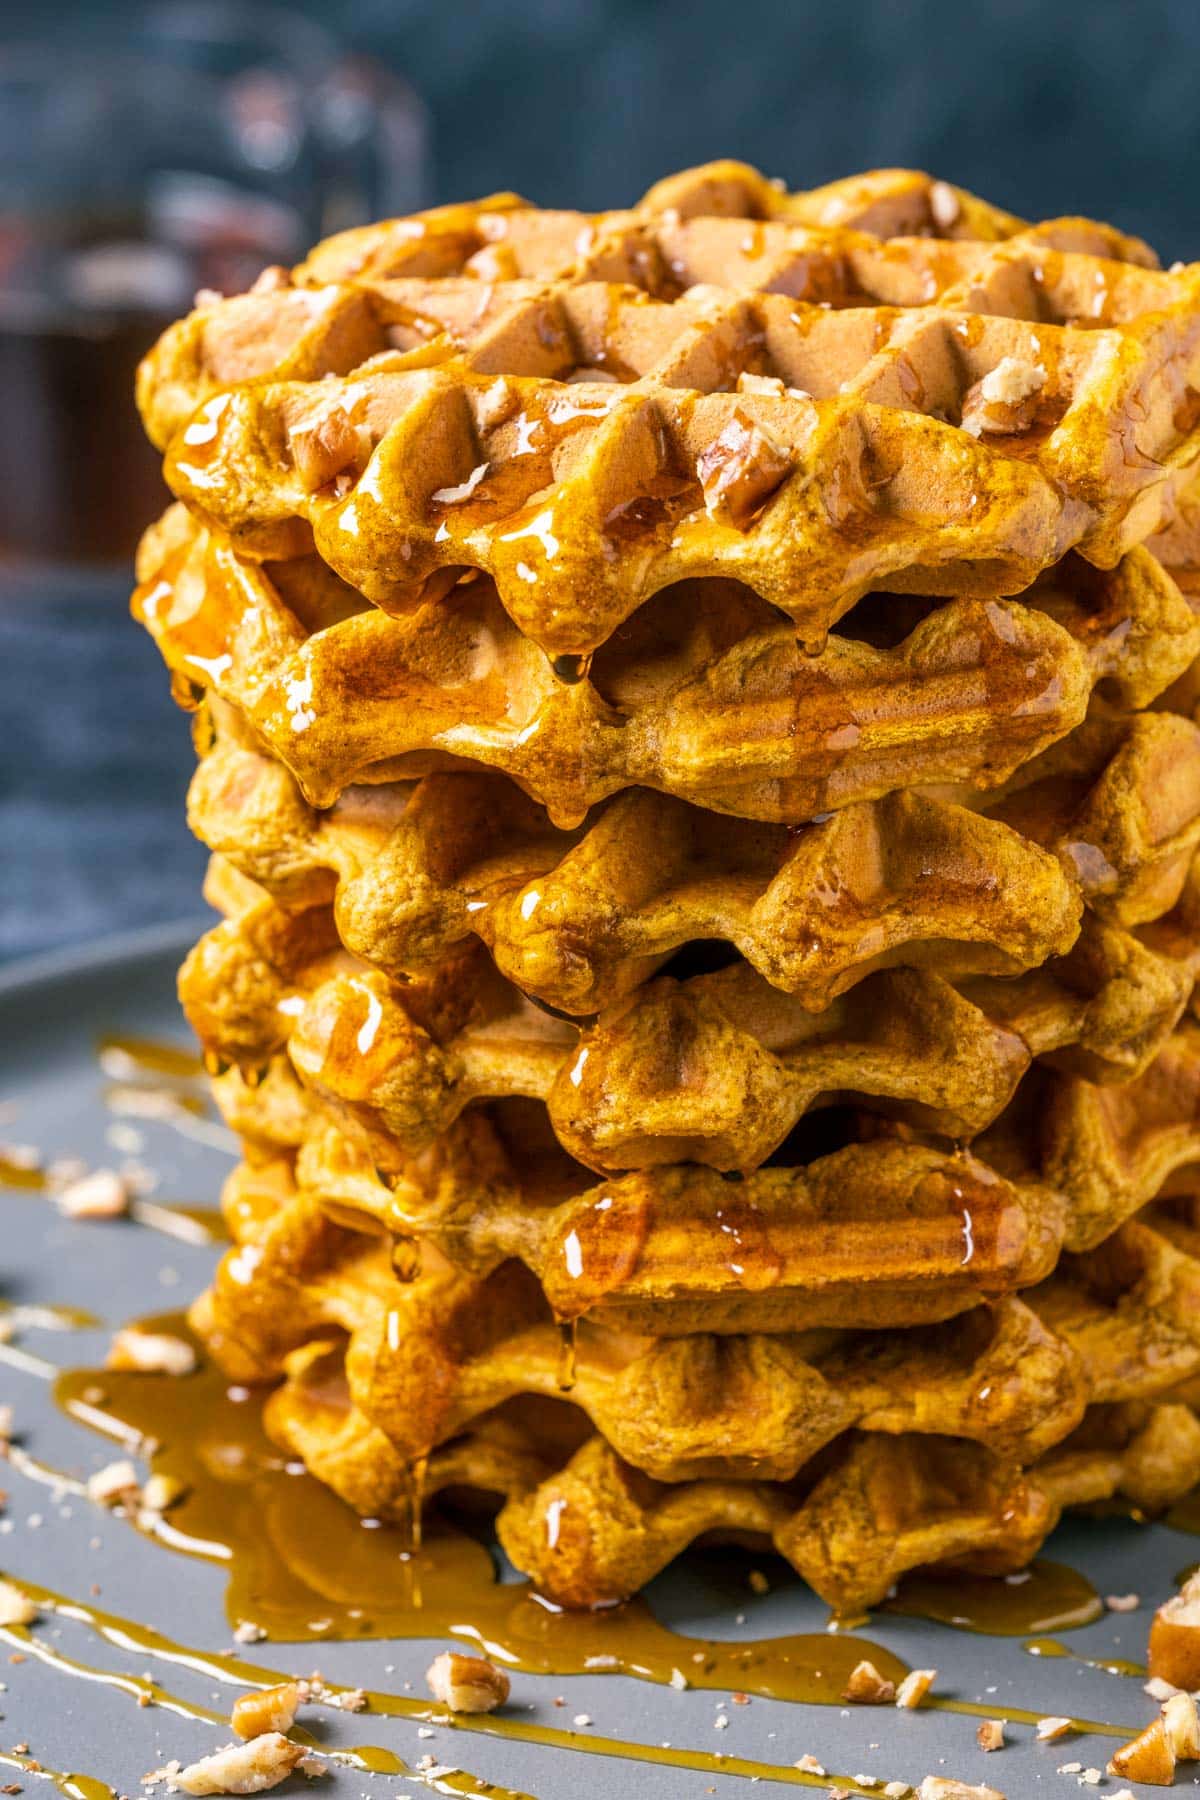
717 1069
673 1250
588 442
595 1531
1108 1149
437 1361
426 1357
703 701
574 919
1119 800
721 225
887 1505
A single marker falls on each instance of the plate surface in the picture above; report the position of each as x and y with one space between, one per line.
53 1090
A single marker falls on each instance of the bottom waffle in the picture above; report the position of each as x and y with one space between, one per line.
857 1454
595 1530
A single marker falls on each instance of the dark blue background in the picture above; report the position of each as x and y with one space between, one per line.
1042 108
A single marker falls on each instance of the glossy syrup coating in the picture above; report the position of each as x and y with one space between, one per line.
588 442
697 717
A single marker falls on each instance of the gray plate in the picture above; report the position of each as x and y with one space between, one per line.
51 1014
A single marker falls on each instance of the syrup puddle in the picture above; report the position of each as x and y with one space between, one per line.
302 1566
1048 1596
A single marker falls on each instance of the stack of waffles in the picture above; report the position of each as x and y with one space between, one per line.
695 719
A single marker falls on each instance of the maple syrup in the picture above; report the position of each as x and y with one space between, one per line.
564 1378
405 1258
1111 1665
1048 1596
571 670
128 1058
302 1566
15 1172
372 1758
75 1787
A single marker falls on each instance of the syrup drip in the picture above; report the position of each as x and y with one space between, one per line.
406 1258
413 1525
186 693
571 670
204 732
565 1373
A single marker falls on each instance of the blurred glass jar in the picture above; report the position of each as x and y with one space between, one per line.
188 147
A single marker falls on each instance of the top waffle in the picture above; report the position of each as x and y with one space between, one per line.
593 408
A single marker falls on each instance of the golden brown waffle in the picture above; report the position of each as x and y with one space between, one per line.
1119 800
437 1360
717 1068
588 442
873 1234
583 498
1109 1149
579 919
1081 1159
711 700
720 225
597 1530
886 1505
